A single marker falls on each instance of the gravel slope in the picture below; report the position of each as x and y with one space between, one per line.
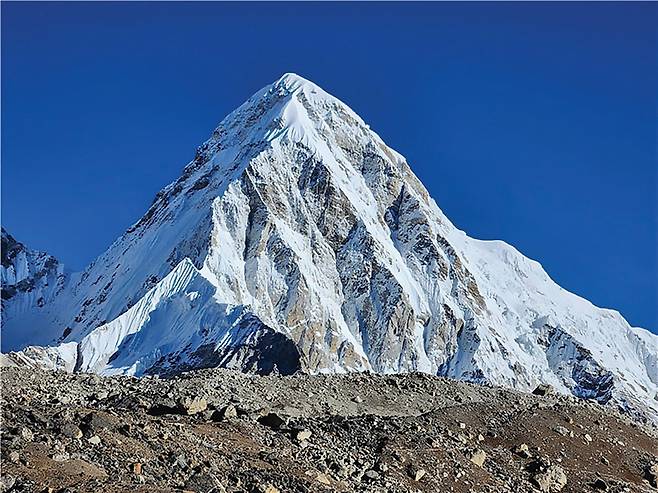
217 430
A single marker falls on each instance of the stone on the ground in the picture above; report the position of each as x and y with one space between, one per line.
192 405
229 412
651 474
26 434
544 389
478 457
522 450
417 473
6 482
60 456
273 420
551 480
70 430
600 485
323 478
303 435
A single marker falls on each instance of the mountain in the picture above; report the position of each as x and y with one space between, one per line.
30 281
296 239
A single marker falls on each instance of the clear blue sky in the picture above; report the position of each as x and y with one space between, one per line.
532 123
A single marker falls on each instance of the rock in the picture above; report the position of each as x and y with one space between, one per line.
588 438
599 484
180 461
14 456
348 447
462 426
204 482
416 473
562 430
478 457
551 480
268 488
303 435
544 389
26 434
462 438
163 405
651 474
229 412
70 430
273 420
190 406
7 482
95 421
522 450
358 399
323 478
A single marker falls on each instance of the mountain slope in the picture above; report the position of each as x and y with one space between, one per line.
298 216
30 282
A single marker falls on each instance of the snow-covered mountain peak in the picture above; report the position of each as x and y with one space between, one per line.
296 238
31 280
293 82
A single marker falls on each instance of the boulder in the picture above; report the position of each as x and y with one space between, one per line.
522 450
303 435
478 457
273 420
70 430
416 473
651 474
552 480
544 389
192 405
600 485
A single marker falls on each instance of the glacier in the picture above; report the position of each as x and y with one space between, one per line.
297 240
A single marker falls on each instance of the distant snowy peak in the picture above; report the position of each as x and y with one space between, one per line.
26 271
296 238
30 280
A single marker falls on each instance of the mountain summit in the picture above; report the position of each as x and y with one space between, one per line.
297 240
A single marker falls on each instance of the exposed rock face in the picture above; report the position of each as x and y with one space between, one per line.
296 239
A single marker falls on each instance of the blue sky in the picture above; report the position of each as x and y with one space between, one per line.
532 123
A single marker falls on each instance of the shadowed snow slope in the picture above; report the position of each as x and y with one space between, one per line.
297 239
